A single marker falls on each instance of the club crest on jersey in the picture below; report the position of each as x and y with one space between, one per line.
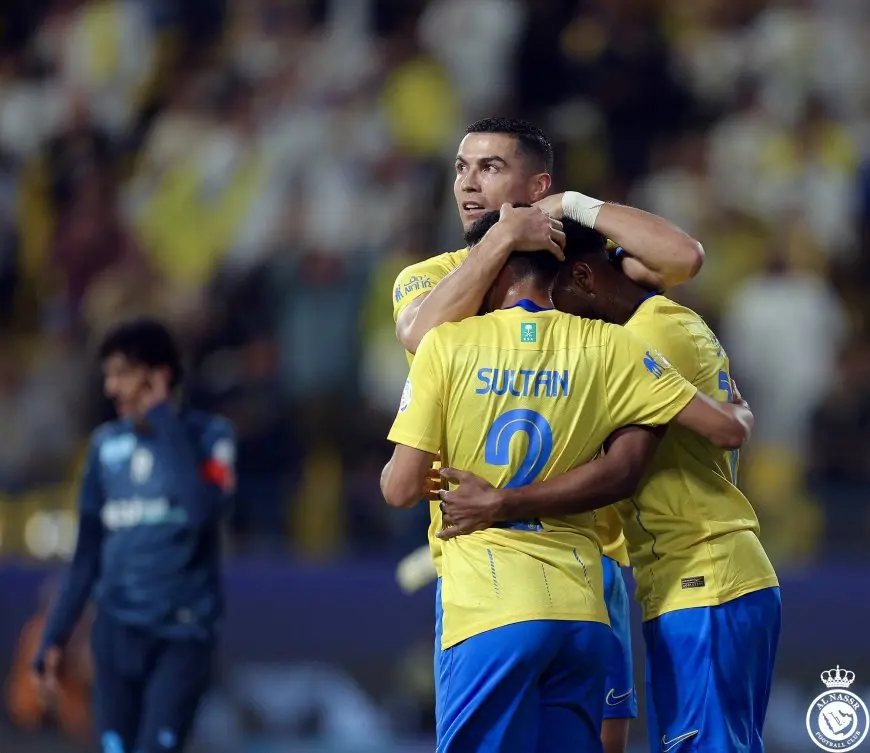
528 332
406 396
837 719
141 465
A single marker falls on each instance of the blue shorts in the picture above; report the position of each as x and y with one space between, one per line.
530 687
620 701
709 672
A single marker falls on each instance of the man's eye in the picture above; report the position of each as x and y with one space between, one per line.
491 169
459 167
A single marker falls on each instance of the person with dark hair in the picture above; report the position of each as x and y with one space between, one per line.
524 628
502 161
155 489
709 594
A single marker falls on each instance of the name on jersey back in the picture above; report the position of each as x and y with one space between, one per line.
523 382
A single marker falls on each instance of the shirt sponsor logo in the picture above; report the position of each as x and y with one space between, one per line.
412 284
119 514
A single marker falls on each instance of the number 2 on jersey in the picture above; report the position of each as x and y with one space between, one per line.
725 386
498 444
498 452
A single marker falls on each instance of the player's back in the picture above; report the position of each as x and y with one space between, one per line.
157 570
525 399
692 535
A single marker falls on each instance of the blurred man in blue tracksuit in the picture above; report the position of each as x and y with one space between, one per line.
156 487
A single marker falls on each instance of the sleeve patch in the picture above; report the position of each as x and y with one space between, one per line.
407 394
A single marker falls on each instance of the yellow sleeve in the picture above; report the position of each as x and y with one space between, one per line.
418 423
670 338
420 278
640 384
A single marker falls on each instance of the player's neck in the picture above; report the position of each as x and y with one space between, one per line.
628 300
526 291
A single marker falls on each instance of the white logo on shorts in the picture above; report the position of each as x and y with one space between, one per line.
837 719
669 745
614 700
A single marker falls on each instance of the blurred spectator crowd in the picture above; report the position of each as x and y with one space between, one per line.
258 171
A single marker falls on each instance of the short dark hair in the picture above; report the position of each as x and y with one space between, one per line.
532 142
541 265
582 242
146 342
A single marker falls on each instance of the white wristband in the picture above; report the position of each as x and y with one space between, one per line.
581 208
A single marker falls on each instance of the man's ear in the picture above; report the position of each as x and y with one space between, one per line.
540 186
583 277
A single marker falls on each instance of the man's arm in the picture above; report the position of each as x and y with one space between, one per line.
475 504
85 567
200 485
404 478
460 294
726 425
656 253
643 388
416 430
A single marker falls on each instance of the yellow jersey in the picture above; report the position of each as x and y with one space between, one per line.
420 278
411 283
692 536
514 396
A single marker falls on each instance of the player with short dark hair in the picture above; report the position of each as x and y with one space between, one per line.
524 647
532 143
155 489
501 161
710 596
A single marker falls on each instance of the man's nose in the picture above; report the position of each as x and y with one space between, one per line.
470 183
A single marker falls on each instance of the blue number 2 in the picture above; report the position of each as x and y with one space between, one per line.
498 452
498 444
725 386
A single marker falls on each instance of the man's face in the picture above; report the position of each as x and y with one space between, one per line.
124 382
490 172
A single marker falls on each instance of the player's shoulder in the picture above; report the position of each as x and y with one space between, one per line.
419 278
109 429
209 426
585 331
439 265
662 314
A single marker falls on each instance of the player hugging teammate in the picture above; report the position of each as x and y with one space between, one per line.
707 588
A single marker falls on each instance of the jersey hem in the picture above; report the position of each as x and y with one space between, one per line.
712 601
493 625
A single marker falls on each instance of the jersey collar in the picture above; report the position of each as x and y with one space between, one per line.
643 301
529 306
